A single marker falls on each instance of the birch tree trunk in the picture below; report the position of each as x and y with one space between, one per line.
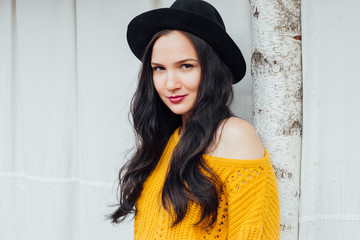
277 91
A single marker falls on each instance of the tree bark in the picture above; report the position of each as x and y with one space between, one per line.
277 94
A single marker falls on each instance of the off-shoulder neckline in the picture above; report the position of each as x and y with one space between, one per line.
230 161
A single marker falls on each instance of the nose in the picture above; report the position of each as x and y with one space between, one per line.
172 81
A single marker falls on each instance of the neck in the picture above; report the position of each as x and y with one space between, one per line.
183 125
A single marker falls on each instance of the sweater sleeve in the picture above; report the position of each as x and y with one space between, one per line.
248 194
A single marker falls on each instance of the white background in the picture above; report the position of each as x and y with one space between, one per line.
330 190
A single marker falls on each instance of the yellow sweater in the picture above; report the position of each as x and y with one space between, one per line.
248 208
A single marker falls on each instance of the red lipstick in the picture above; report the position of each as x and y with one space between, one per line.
177 98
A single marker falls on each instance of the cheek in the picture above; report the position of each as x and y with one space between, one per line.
157 85
193 83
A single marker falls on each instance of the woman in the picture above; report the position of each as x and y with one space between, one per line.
198 171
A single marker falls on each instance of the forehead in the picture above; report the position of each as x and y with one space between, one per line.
173 46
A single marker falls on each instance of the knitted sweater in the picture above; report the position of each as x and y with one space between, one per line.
248 207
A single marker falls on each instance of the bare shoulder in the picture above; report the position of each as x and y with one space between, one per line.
237 139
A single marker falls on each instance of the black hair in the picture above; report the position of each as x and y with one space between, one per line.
189 178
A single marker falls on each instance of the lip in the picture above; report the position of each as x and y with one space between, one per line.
177 98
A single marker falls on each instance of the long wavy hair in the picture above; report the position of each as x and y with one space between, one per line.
189 178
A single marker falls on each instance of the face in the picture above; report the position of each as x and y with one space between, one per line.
176 72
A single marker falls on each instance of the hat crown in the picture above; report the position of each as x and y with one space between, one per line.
201 8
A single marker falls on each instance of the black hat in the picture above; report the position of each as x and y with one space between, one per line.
194 16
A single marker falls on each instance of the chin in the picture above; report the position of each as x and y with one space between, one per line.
178 111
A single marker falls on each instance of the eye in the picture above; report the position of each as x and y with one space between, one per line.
157 68
186 66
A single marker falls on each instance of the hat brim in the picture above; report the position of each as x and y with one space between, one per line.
144 26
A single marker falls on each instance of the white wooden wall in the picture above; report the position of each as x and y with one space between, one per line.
330 190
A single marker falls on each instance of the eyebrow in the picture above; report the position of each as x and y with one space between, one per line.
181 61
